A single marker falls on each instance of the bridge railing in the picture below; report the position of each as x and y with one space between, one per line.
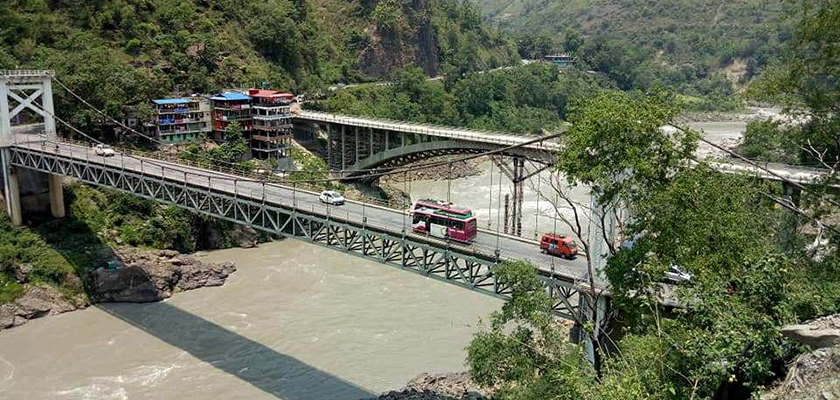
428 129
26 72
327 210
254 191
245 172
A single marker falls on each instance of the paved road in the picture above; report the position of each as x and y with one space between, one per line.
391 220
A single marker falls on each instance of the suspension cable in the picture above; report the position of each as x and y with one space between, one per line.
499 211
537 212
490 206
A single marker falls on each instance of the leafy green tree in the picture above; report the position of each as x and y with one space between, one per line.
617 145
807 81
770 141
233 148
572 40
723 340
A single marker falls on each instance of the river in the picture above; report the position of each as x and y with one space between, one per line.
295 322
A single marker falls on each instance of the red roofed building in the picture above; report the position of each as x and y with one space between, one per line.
271 134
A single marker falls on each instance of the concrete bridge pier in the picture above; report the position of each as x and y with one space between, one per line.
56 196
790 219
11 189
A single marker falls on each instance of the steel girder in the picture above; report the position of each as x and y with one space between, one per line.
413 253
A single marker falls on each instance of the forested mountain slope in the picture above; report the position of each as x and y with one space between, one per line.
648 42
124 52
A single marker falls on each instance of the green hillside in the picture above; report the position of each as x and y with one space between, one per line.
124 52
697 46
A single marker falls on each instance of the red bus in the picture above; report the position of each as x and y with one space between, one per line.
444 220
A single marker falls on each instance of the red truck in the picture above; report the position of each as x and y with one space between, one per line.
558 245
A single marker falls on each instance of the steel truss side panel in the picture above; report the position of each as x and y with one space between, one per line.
396 250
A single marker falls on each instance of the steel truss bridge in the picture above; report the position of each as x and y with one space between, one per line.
374 233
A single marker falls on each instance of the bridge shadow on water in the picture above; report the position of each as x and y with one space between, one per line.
277 374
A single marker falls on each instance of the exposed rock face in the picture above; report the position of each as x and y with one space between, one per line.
154 275
37 302
437 387
814 375
460 169
237 235
21 272
391 50
820 333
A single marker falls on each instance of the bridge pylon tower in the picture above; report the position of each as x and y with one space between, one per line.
30 90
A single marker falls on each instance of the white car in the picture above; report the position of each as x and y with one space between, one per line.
104 150
675 274
331 197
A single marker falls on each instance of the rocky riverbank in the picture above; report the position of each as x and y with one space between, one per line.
453 386
140 276
746 115
814 375
460 169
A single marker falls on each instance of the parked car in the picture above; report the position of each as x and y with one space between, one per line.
558 245
331 197
104 150
677 275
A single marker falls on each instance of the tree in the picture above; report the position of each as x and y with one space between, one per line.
572 40
724 338
233 148
808 81
618 146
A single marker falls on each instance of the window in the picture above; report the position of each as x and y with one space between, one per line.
440 221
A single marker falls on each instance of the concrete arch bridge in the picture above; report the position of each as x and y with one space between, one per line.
356 144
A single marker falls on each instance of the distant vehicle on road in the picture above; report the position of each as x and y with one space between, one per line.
104 150
444 220
675 274
558 245
331 197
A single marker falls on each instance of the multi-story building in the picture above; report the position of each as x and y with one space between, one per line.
271 132
561 60
181 120
228 107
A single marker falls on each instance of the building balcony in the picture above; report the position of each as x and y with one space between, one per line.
271 139
186 131
272 117
278 128
181 121
232 117
175 111
231 107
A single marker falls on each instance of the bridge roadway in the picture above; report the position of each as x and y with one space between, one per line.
393 220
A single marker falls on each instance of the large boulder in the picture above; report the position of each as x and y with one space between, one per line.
146 276
819 333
